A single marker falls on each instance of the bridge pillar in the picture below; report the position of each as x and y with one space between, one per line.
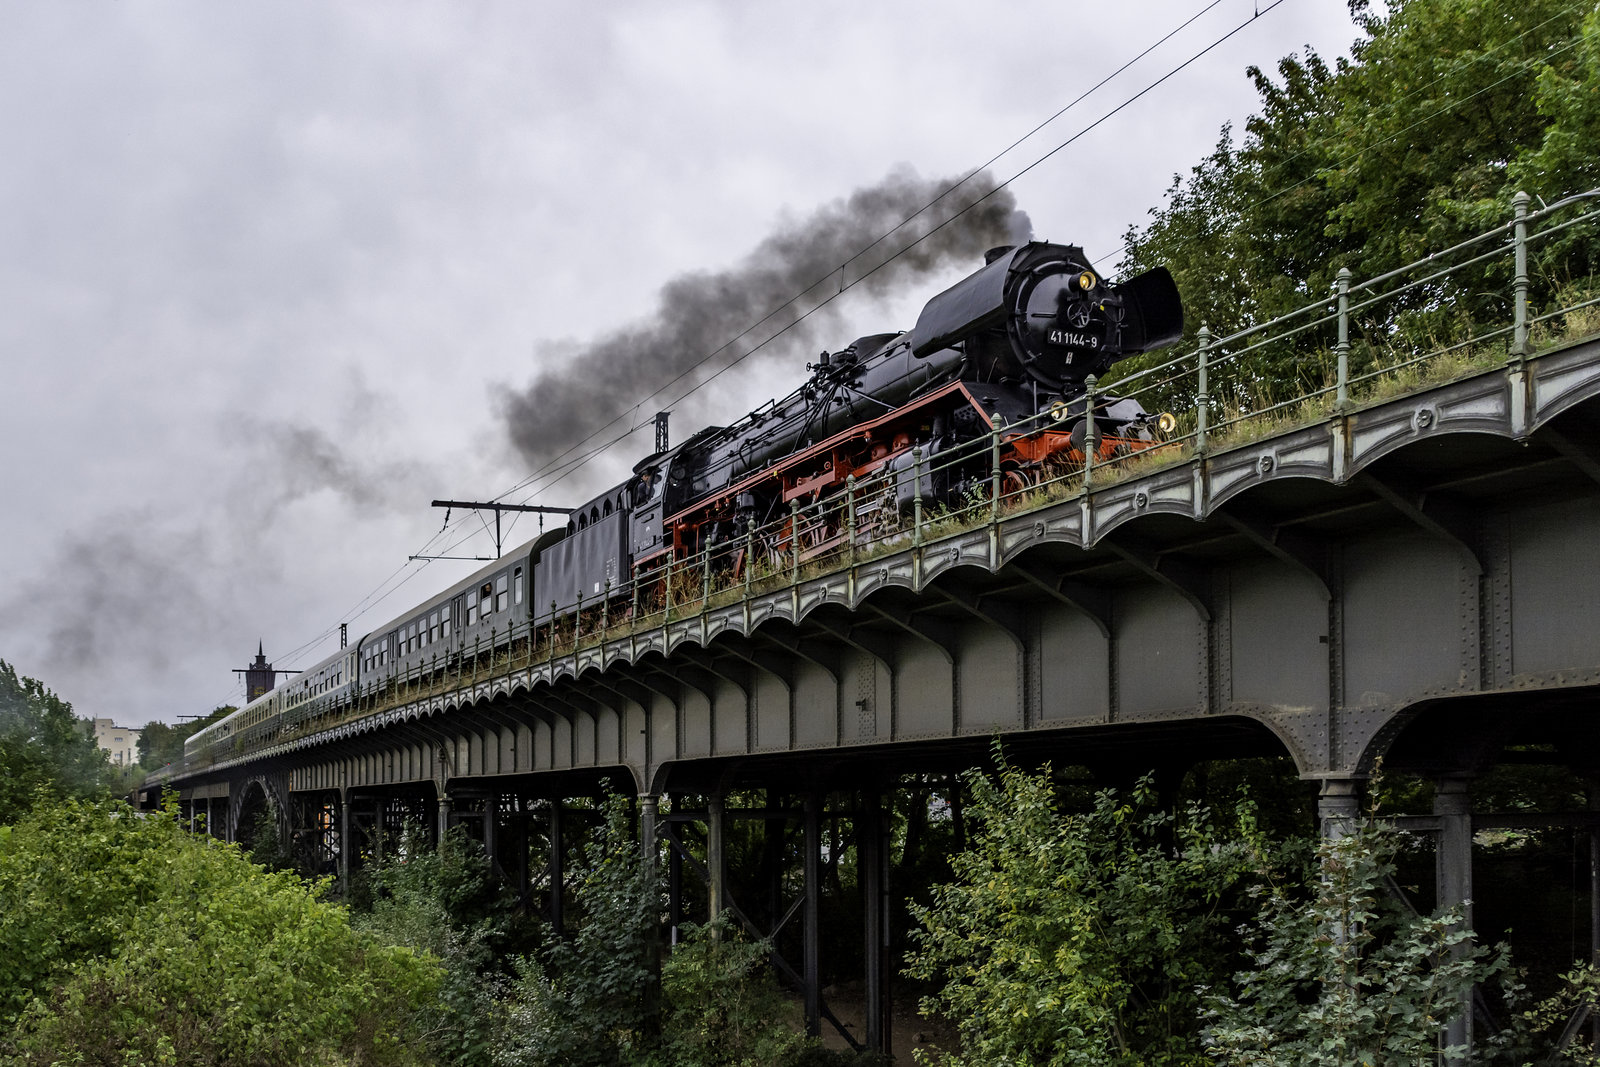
344 841
674 886
649 808
811 964
1452 805
443 826
872 858
1338 807
1594 902
557 867
491 819
716 863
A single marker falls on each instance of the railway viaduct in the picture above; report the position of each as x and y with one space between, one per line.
1414 579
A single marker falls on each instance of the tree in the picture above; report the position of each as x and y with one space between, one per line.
161 743
445 902
583 1000
128 939
1445 109
723 1008
1341 971
44 749
1081 938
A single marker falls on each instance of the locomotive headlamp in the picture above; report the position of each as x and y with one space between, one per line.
1165 422
1086 280
1058 410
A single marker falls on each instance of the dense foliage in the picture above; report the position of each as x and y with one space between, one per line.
1445 109
129 940
45 751
1341 971
445 902
1082 938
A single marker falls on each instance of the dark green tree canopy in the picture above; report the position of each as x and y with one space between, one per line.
1445 109
44 748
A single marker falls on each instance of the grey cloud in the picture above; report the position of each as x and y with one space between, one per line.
700 313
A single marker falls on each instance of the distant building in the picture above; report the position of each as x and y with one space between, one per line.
259 677
120 741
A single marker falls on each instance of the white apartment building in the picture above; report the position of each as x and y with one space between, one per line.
120 741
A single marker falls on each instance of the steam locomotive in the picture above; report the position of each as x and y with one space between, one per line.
1006 349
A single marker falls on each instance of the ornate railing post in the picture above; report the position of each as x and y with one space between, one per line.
1091 433
577 622
1341 397
705 579
1202 402
850 513
605 611
749 552
794 539
994 468
916 495
1519 285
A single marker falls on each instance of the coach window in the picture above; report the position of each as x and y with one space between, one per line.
444 623
606 510
472 606
433 626
500 593
516 585
486 597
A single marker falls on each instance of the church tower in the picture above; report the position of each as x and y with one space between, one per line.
259 677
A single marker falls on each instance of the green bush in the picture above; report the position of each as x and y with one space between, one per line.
45 750
445 902
1082 938
129 940
722 1006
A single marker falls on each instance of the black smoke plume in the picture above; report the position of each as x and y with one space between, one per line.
700 313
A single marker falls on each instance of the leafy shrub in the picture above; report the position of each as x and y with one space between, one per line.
129 940
1081 938
722 1006
444 902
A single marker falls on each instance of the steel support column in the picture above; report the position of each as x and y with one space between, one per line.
443 826
1452 804
674 889
716 863
344 841
649 808
1338 807
491 821
557 867
871 856
812 947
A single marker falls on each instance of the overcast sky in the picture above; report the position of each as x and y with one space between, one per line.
267 270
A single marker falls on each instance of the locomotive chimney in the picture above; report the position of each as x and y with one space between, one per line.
661 430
